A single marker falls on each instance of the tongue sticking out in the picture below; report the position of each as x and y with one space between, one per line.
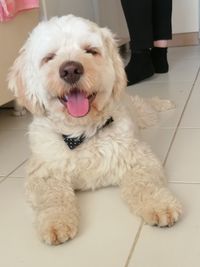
77 104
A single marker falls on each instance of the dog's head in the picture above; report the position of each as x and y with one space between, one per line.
68 65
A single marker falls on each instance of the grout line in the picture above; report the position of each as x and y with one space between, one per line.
190 128
179 122
183 182
15 177
17 167
130 256
1 181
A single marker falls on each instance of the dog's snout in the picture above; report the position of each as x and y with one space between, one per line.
71 71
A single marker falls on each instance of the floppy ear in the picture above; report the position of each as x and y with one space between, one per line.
120 75
17 84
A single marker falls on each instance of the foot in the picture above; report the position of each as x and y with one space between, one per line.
159 59
140 66
55 225
162 210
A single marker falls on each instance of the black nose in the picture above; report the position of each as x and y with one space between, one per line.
71 71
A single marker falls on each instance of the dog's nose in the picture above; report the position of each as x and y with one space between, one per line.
71 71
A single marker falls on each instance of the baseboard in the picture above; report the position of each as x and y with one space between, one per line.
178 39
184 39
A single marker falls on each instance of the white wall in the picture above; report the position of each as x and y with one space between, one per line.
104 12
13 34
83 8
185 16
109 13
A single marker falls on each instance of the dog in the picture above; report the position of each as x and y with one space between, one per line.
70 76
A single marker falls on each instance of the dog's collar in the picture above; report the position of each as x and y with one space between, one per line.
73 142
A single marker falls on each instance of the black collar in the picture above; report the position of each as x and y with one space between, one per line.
73 142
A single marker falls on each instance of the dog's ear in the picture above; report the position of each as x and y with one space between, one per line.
17 84
120 75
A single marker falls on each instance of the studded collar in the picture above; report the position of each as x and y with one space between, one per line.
73 142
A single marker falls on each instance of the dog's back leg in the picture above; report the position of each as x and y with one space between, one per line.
144 113
160 105
146 110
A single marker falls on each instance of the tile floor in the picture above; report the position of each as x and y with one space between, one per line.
109 235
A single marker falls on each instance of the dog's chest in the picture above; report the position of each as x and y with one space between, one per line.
99 162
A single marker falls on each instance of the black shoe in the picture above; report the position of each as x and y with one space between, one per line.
159 59
140 66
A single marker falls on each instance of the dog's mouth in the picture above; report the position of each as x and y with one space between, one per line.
77 102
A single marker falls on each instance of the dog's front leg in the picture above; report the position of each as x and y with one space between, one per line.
145 191
55 204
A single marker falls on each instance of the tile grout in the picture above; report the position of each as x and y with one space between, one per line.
183 182
182 114
17 167
7 176
189 128
16 177
13 129
131 251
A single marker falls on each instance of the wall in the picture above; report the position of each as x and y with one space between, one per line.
104 12
83 8
185 16
13 34
110 14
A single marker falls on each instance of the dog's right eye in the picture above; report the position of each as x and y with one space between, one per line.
91 50
47 58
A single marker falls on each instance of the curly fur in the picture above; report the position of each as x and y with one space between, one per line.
111 156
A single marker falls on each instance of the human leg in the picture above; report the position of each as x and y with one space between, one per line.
139 20
162 31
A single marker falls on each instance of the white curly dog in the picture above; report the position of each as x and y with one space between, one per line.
70 76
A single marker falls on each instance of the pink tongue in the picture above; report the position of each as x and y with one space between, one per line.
77 104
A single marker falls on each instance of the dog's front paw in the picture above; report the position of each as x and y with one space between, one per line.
55 225
167 216
162 213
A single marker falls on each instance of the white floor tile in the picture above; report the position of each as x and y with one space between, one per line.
181 71
178 246
159 139
10 122
107 231
14 150
180 54
190 118
177 92
184 158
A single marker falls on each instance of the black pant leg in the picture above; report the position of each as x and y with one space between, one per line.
162 12
138 14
